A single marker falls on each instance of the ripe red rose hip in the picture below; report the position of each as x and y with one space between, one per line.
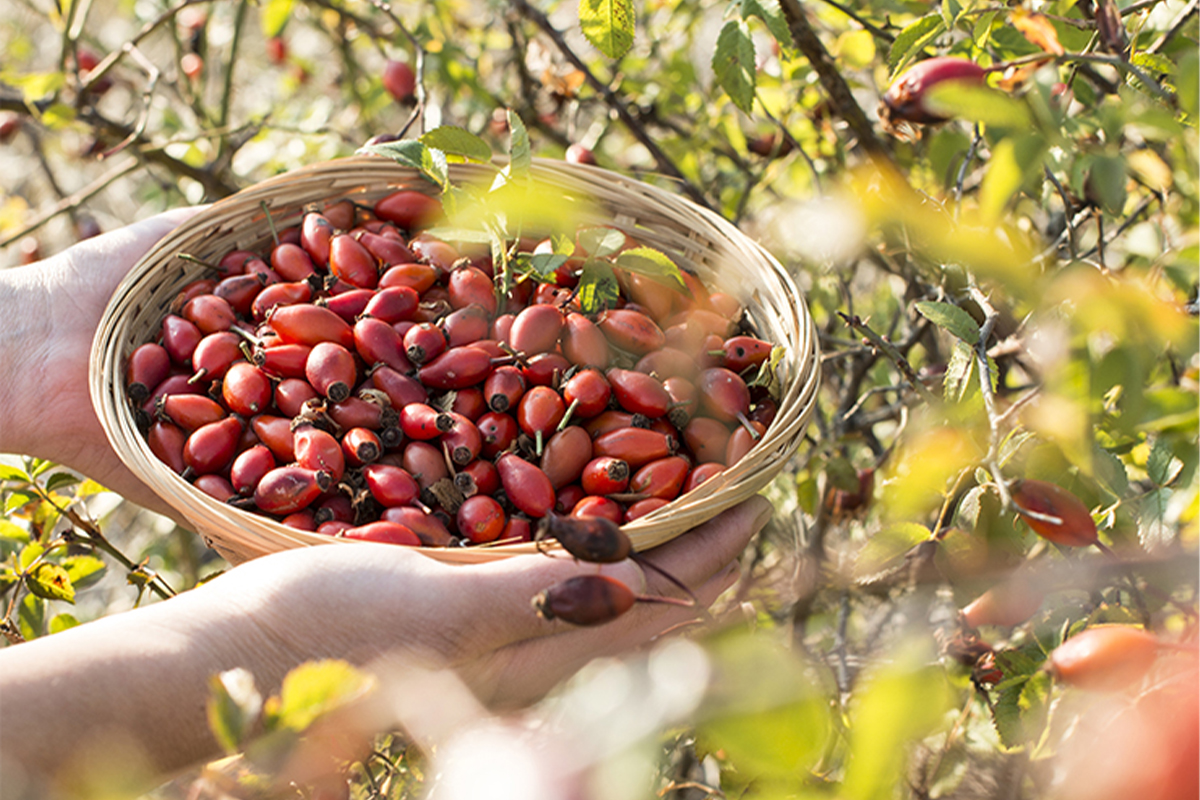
1075 528
399 80
1105 658
906 98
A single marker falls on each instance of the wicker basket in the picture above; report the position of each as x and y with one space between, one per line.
696 238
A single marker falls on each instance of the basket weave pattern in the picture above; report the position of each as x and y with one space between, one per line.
695 238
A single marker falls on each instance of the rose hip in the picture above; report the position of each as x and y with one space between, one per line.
1075 528
499 431
179 338
166 441
319 450
350 262
480 519
637 446
1104 658
214 354
292 262
275 433
630 331
526 485
597 506
604 476
536 329
463 441
425 463
211 447
377 342
723 394
424 342
149 365
361 446
419 277
583 342
310 325
466 325
191 411
331 370
596 540
384 532
457 368
585 600
428 528
639 393
249 468
565 455
390 485
394 304
209 313
246 389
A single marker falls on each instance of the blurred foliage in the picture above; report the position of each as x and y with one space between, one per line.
1008 295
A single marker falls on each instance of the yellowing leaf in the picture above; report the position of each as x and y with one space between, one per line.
1038 30
923 470
313 689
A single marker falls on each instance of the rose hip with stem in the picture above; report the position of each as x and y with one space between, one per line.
591 600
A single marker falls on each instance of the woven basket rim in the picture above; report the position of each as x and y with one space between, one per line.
636 202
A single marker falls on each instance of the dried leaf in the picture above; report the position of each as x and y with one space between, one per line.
1038 30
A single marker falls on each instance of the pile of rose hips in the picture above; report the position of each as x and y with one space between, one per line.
365 379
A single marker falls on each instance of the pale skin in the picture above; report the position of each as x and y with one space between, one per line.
142 676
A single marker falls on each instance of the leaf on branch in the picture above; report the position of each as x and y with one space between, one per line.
29 554
912 40
770 12
541 265
60 480
83 570
952 318
62 622
601 242
459 142
1154 532
520 152
653 264
50 581
274 15
1038 30
411 153
598 288
734 66
18 500
1162 465
11 473
314 689
608 25
886 550
13 532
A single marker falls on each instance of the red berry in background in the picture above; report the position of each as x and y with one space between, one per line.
1076 529
399 79
1006 604
1105 658
578 154
88 61
191 65
10 123
277 49
906 98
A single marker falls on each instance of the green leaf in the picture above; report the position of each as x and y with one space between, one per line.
770 12
983 29
274 15
51 582
11 473
978 104
31 616
910 41
60 480
313 689
887 549
601 242
414 154
542 265
35 85
840 473
83 570
952 318
1013 161
13 532
62 622
1187 84
652 264
1153 63
598 288
29 554
520 152
957 384
88 488
971 505
1162 465
1110 471
734 66
459 142
233 707
1154 532
608 25
1107 178
17 500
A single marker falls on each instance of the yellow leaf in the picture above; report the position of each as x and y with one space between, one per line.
1038 30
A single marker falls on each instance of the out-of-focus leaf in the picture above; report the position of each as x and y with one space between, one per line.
31 616
841 474
1038 30
543 265
983 29
1162 465
18 499
608 25
1154 532
1151 169
29 554
900 703
653 264
601 242
771 14
459 142
1013 162
922 470
910 41
1110 471
412 153
520 152
733 64
83 570
88 488
57 116
952 318
313 689
855 49
50 581
598 288
13 532
62 622
11 473
1107 179
60 480
233 707
274 15
967 514
35 85
1021 702
977 103
1187 84
765 709
887 549
1013 443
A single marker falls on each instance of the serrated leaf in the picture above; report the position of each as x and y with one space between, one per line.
601 242
887 549
952 318
770 12
1153 62
62 622
1153 530
1013 443
912 39
431 164
1110 471
1162 465
734 66
969 508
60 480
83 570
233 707
312 690
274 15
51 582
543 265
17 500
959 371
597 288
38 466
653 264
13 532
608 25
458 141
11 473
520 152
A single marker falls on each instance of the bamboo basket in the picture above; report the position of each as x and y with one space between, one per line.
695 238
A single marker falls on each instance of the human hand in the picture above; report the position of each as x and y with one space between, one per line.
50 311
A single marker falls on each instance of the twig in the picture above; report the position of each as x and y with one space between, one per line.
874 30
112 58
991 460
239 22
889 350
812 167
1068 208
139 128
962 170
664 163
73 201
1176 26
838 92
